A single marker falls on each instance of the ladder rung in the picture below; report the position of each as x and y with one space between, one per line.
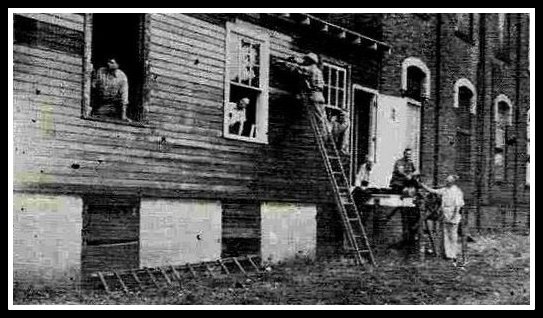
239 266
103 280
223 267
136 278
168 280
123 285
153 279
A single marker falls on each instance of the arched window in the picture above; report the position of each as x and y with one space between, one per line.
415 79
503 119
465 105
461 87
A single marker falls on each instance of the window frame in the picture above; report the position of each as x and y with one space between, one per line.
345 88
508 122
256 34
426 85
86 107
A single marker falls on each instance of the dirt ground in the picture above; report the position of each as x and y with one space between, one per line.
498 273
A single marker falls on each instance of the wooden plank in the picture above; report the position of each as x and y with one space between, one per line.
191 62
31 60
239 266
158 68
43 80
175 273
188 55
153 279
185 30
168 280
47 54
250 259
136 278
54 19
225 269
195 23
24 87
74 17
176 45
104 283
123 285
48 72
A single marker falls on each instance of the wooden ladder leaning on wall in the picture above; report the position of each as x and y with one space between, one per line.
350 216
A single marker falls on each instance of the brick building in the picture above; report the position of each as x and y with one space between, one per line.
174 185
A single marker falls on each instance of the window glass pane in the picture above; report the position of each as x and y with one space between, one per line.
341 79
326 74
234 59
340 96
333 95
333 78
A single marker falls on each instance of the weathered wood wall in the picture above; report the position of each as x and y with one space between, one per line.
180 152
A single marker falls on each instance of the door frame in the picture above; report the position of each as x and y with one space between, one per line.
372 131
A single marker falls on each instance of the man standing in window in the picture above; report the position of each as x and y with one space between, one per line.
312 86
110 92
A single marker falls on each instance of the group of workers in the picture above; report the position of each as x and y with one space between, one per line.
405 178
110 99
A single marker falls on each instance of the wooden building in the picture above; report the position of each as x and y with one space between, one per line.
176 184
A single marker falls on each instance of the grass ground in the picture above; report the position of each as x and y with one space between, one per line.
498 273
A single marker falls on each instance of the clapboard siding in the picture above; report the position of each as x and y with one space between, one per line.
67 20
179 150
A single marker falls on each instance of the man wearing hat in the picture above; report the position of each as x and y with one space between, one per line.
312 85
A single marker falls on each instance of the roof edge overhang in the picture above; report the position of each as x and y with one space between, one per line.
332 29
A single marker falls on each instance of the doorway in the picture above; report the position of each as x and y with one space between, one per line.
364 100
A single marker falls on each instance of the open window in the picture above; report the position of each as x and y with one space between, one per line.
246 86
464 105
415 83
120 37
503 121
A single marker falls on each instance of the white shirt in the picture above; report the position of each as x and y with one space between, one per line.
234 114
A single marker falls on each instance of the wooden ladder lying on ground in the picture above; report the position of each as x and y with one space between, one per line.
352 222
169 276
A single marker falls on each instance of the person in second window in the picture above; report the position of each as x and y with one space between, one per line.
236 113
403 176
110 92
340 132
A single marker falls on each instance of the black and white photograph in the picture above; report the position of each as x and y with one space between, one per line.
289 158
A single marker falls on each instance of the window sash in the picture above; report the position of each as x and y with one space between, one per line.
238 35
335 83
